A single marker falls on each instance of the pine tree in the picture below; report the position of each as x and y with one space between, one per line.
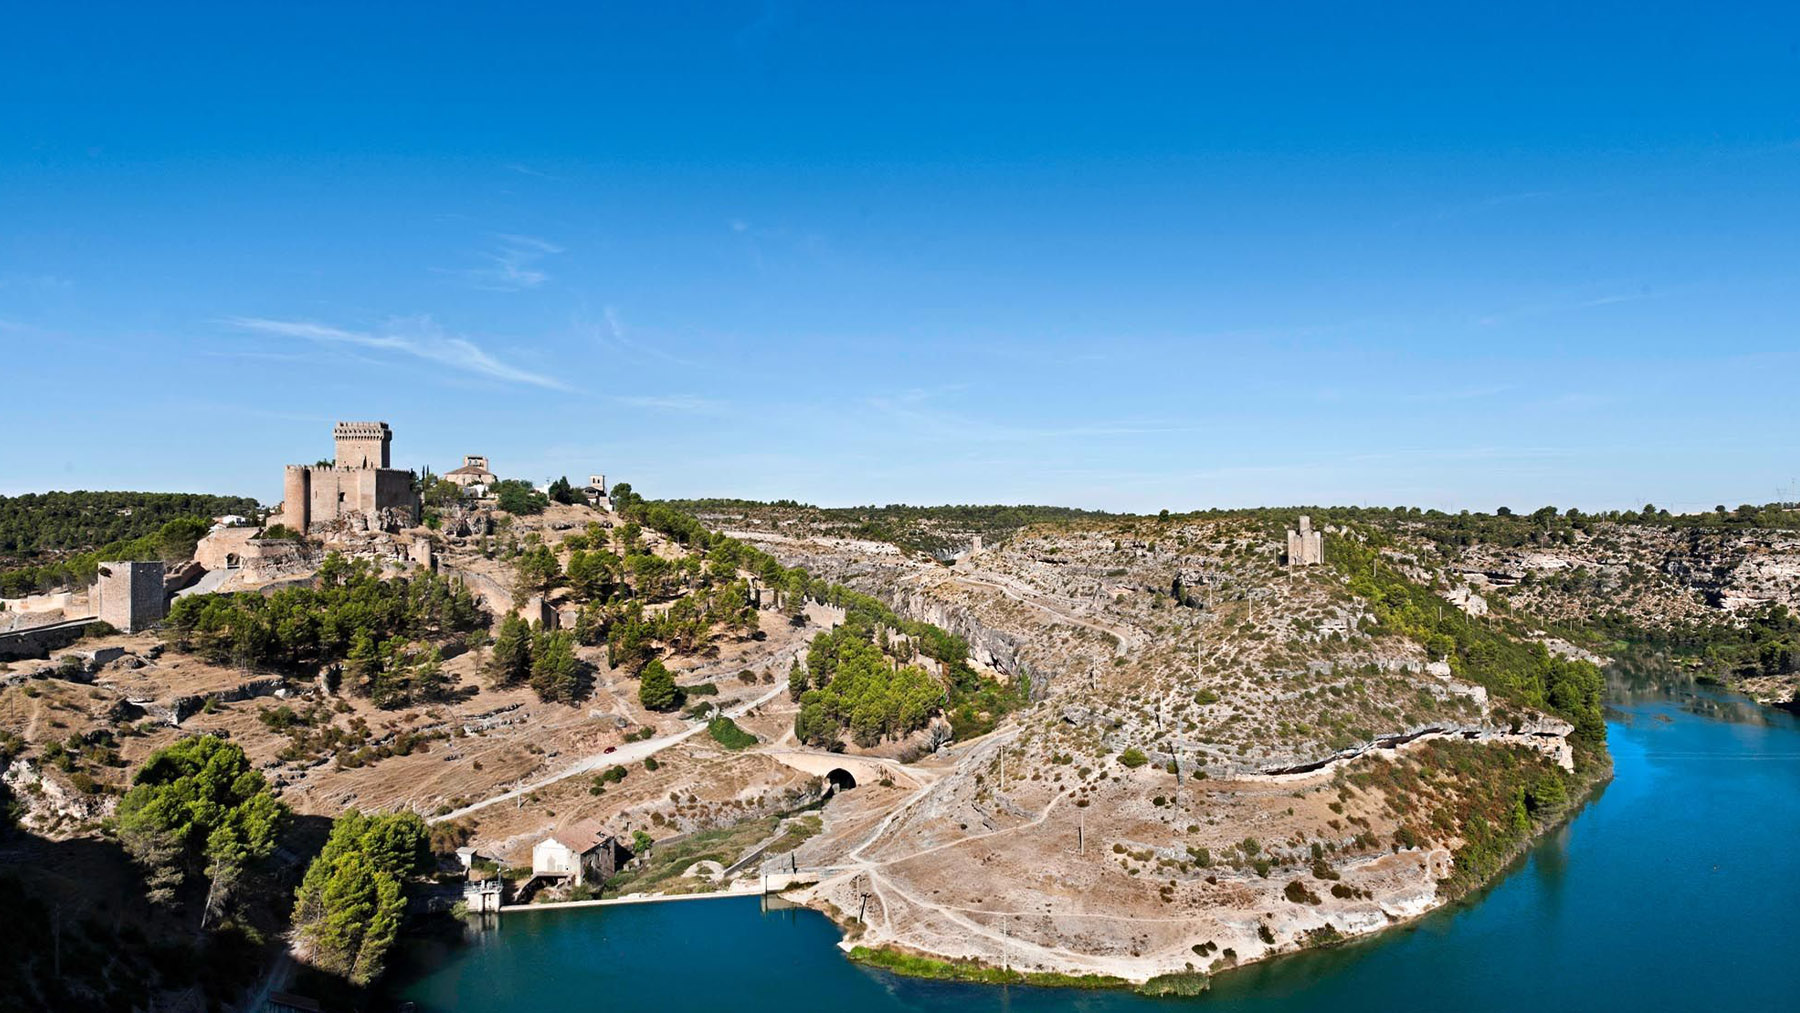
348 909
362 666
554 668
510 661
656 688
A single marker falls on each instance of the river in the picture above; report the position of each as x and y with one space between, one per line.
1675 889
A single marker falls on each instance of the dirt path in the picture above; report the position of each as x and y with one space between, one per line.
885 890
631 752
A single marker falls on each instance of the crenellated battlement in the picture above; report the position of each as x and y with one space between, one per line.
362 444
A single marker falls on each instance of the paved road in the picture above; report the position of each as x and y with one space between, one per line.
208 582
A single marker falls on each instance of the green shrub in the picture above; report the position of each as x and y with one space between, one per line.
1179 983
727 733
1297 892
1133 757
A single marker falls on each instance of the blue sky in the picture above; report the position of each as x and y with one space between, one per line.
1128 256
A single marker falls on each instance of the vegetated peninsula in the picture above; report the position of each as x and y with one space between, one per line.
1002 743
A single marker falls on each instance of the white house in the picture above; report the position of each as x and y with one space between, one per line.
583 853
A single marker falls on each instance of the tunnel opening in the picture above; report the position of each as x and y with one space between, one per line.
840 779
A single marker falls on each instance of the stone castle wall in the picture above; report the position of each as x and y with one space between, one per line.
130 595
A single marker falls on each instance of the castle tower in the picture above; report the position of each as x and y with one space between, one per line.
361 485
130 595
1305 547
362 444
296 497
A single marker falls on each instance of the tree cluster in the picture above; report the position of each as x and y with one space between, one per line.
1765 642
852 685
348 909
544 659
171 541
383 630
518 497
974 703
656 688
50 521
198 807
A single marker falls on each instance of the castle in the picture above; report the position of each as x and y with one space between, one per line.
1305 547
360 488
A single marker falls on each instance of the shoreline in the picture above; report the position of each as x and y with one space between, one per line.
897 958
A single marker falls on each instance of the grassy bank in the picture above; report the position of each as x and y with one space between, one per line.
914 966
660 869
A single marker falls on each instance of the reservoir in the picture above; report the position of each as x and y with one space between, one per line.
1675 889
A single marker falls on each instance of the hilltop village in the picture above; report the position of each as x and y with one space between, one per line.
1062 748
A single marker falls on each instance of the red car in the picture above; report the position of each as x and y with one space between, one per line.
609 749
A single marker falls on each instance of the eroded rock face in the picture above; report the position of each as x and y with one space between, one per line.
48 802
992 648
1655 574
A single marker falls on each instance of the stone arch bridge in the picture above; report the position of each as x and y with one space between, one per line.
847 771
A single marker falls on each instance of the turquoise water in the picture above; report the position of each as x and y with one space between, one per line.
1675 890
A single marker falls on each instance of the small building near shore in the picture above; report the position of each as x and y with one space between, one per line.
581 853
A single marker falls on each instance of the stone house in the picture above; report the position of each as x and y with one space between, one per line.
582 853
474 471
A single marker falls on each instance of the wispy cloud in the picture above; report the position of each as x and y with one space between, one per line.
526 170
610 333
1476 207
685 403
778 241
1542 308
418 338
513 266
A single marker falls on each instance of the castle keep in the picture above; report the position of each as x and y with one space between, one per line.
359 488
1306 547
